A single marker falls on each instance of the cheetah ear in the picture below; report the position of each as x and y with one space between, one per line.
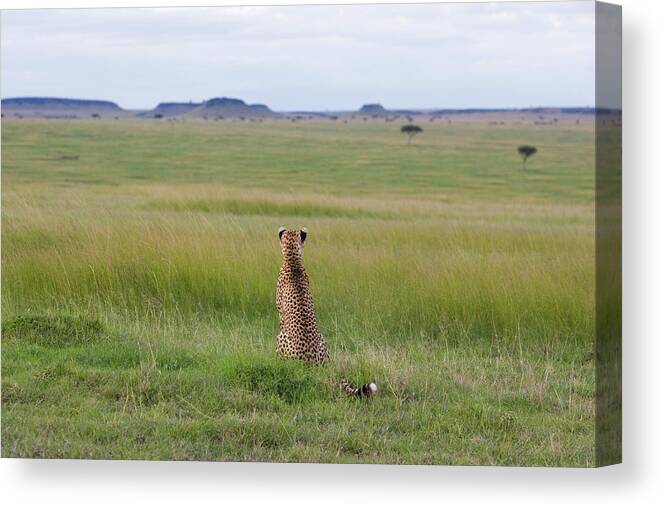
281 231
304 234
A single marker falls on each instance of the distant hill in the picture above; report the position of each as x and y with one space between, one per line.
169 109
225 107
53 107
529 110
378 110
373 109
230 108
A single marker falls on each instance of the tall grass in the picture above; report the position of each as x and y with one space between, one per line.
384 279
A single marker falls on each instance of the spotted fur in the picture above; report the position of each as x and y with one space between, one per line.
299 336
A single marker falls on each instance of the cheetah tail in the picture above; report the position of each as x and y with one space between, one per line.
365 390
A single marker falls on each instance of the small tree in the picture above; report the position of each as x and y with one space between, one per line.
411 131
526 152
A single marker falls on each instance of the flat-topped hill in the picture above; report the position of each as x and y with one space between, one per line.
230 108
55 102
169 109
45 107
373 109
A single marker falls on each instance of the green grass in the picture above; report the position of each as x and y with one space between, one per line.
138 312
265 208
57 331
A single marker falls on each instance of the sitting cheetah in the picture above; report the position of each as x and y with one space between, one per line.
299 336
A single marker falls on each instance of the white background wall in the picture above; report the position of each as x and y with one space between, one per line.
637 482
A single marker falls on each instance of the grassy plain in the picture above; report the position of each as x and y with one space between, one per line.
138 281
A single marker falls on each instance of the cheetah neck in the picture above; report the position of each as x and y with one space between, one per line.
293 264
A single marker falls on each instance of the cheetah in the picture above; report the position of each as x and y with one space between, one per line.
299 336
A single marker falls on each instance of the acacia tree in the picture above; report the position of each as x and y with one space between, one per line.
526 151
411 130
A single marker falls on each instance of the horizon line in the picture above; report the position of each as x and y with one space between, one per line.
294 110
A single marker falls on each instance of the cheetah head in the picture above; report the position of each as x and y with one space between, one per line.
291 241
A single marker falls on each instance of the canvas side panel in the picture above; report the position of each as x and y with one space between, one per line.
608 150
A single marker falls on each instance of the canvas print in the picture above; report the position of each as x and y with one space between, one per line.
335 233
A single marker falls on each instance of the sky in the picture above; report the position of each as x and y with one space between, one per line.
307 57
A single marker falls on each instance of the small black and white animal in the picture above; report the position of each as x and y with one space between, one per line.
299 336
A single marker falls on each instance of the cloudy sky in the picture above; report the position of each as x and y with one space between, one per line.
307 57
